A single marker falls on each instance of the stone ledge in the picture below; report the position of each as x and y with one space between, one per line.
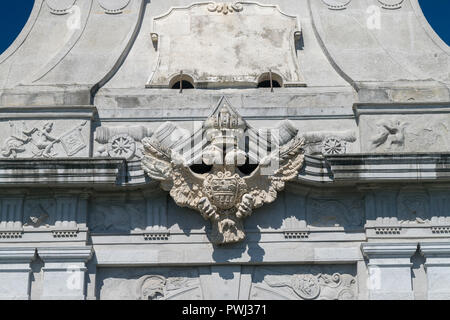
18 254
61 171
388 250
331 170
65 254
435 249
48 112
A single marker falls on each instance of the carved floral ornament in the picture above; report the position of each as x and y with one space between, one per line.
233 182
225 8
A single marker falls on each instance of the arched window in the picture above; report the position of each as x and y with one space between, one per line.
270 80
182 81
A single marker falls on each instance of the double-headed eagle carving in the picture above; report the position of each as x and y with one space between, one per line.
241 169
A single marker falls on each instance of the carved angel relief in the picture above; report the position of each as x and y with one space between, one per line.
244 168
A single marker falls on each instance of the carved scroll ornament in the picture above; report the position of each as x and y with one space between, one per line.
225 195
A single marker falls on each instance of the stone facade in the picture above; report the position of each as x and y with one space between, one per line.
283 149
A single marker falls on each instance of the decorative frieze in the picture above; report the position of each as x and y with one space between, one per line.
296 235
153 236
65 234
8 235
121 141
440 230
45 132
328 143
332 212
386 128
387 231
307 283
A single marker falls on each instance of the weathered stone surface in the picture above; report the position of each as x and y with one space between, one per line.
90 130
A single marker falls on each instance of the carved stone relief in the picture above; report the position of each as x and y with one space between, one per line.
413 207
150 284
144 214
234 34
306 282
117 216
404 133
313 283
335 213
328 142
225 8
156 287
44 139
390 135
121 142
39 212
42 211
227 191
393 212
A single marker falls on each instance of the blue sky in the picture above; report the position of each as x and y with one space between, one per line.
14 15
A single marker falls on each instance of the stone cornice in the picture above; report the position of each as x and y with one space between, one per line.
390 167
66 254
388 250
17 255
48 112
350 169
61 171
435 249
400 108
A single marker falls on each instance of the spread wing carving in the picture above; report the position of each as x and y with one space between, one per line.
156 162
265 183
223 195
163 165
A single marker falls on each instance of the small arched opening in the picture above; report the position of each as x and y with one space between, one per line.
181 82
270 80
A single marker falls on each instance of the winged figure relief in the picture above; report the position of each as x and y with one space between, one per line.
234 182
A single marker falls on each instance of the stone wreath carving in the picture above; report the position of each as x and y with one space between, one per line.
229 191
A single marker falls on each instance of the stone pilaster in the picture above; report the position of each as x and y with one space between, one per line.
11 213
437 265
64 272
15 273
66 211
156 212
390 270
